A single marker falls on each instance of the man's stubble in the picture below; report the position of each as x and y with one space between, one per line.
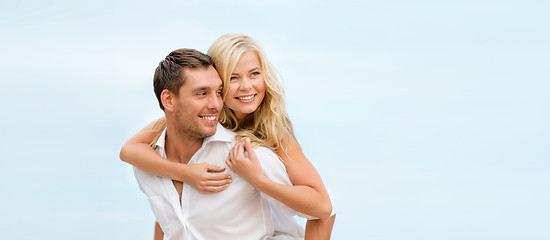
188 127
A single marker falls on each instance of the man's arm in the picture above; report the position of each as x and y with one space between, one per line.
319 229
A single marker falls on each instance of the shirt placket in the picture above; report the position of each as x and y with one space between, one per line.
185 195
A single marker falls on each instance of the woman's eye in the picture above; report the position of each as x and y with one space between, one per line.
232 78
254 74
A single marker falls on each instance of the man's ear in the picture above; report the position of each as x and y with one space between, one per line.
168 100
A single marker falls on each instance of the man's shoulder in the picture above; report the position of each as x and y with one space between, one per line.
220 128
222 134
272 166
265 150
267 155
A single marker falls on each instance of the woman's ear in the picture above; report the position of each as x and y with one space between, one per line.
167 98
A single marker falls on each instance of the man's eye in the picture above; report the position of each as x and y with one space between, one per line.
220 92
201 93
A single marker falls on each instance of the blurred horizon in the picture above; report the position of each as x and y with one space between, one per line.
426 120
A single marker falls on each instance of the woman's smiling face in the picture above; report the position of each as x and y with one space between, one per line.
246 89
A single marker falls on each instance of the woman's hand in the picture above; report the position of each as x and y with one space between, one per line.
206 178
246 166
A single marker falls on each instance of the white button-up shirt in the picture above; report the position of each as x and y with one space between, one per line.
238 212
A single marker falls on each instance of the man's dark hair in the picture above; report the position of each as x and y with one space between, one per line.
169 74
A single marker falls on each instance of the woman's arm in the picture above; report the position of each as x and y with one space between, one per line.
319 229
159 234
138 152
308 195
302 172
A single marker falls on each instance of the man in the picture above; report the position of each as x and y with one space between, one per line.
189 91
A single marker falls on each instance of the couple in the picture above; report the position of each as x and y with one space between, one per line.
268 179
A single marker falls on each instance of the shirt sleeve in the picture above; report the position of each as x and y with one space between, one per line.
275 170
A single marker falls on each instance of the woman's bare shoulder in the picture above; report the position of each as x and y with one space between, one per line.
289 150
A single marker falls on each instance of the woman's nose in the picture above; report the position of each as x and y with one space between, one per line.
245 84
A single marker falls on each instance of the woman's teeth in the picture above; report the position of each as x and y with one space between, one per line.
246 98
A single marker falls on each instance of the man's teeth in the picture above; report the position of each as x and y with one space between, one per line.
246 98
209 118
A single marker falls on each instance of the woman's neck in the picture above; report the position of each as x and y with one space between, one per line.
246 121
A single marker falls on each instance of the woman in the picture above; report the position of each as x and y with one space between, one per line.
254 109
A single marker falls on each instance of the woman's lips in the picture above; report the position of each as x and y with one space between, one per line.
246 98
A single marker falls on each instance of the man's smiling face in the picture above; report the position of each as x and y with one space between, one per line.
198 103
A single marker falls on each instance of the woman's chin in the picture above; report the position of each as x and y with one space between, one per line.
243 113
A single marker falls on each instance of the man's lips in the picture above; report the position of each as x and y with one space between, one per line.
209 118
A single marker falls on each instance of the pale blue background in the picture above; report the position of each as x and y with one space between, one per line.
428 120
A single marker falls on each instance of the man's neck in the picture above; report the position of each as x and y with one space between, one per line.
178 148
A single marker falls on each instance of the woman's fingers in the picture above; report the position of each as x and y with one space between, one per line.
217 176
240 151
249 149
214 168
235 156
214 189
219 180
232 153
228 162
235 151
217 183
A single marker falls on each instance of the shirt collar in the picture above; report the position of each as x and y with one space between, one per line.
221 135
161 141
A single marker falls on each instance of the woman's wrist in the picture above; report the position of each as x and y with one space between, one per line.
183 172
259 182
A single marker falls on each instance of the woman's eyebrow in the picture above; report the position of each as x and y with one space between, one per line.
254 69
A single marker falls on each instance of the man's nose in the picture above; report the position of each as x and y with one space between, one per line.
215 102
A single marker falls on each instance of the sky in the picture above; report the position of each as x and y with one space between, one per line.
427 120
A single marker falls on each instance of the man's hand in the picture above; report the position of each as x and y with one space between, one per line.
248 167
206 178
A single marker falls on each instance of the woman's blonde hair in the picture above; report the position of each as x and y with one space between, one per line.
269 123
